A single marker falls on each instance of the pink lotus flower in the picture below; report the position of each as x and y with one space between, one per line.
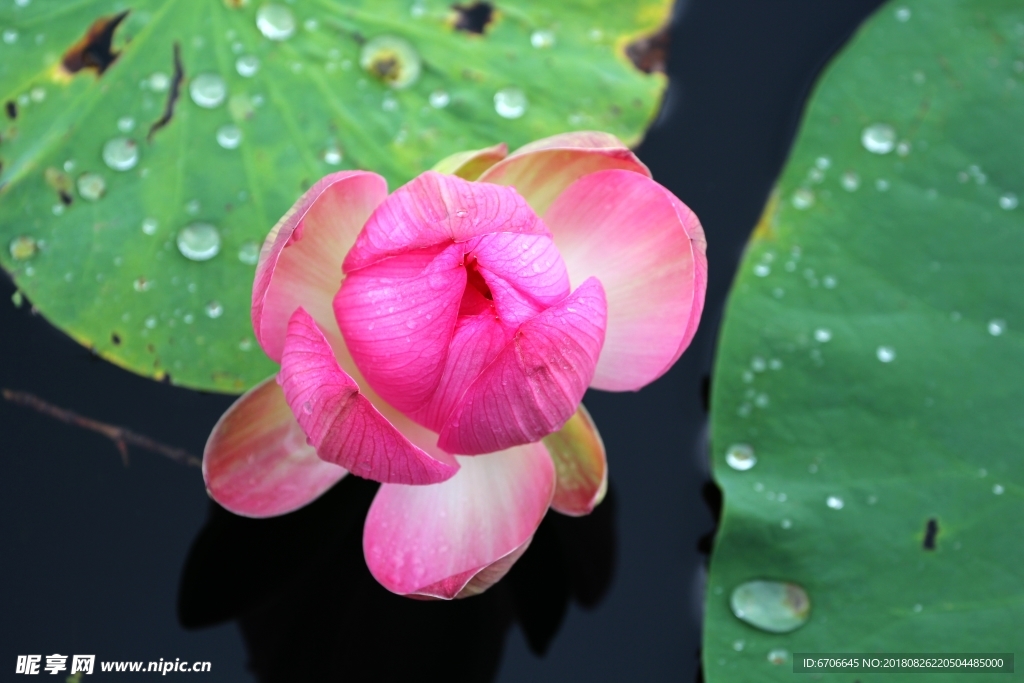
439 340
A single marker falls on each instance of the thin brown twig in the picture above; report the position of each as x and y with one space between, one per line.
121 437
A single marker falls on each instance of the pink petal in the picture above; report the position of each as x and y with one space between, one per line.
257 462
459 537
536 382
525 273
647 249
541 170
471 164
581 470
341 423
300 263
434 209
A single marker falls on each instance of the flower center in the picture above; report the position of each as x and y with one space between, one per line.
477 296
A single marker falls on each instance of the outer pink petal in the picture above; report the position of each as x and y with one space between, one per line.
342 424
542 169
537 381
257 462
459 537
434 209
300 263
471 164
581 470
647 249
398 328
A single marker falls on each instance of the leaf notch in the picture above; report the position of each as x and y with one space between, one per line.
94 49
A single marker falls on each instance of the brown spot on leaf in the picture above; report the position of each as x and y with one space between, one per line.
61 184
115 338
172 95
650 53
931 530
12 109
473 18
93 50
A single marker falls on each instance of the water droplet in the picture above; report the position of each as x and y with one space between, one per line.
510 103
126 124
834 502
58 209
996 326
158 81
307 408
91 186
249 253
141 284
823 163
311 24
121 154
738 645
786 524
829 281
332 156
188 318
778 656
247 65
902 14
439 99
392 60
213 310
998 489
150 322
740 457
245 344
149 226
775 364
1008 201
275 22
771 606
208 90
903 149
23 248
879 138
10 36
199 242
822 334
192 207
762 270
542 39
229 136
886 354
882 185
389 103
803 198
761 401
757 364
918 607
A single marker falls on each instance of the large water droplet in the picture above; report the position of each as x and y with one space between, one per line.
740 457
510 103
542 38
208 90
996 327
91 186
886 354
23 248
1008 201
229 136
121 154
771 606
199 242
834 502
392 60
879 138
275 22
213 309
247 65
249 253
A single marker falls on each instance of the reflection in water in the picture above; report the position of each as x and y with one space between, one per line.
309 609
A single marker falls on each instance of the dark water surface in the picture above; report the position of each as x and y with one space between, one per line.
99 558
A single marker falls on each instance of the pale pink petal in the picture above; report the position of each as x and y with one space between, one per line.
471 164
536 382
257 462
648 250
581 471
541 170
433 541
434 209
398 328
300 263
341 423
